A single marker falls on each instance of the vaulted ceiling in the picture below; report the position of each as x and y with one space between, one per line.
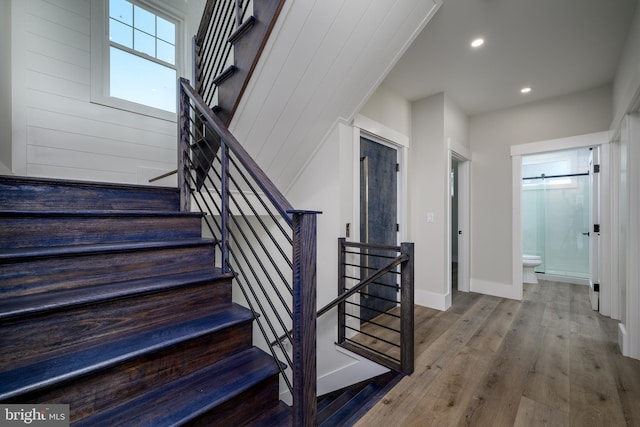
554 46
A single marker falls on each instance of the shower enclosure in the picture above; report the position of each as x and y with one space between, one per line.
555 211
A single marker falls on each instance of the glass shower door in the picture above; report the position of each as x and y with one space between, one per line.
566 245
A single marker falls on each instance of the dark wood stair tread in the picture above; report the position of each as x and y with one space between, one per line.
45 194
189 397
49 372
19 254
351 406
48 301
94 213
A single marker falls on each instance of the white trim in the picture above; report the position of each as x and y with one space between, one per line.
613 255
463 154
432 299
18 88
516 224
378 129
607 287
377 132
632 323
578 141
623 339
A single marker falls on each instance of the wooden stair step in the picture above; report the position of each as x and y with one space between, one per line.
49 194
222 385
22 254
224 75
23 229
60 322
350 407
243 29
32 304
33 270
52 372
335 405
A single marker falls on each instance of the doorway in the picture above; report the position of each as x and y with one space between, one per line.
378 221
556 208
458 270
599 139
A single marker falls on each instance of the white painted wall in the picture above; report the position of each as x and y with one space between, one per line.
626 84
491 136
5 87
390 109
435 121
427 189
57 131
626 186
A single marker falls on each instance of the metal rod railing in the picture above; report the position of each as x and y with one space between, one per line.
396 315
253 225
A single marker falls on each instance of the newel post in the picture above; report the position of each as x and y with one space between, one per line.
406 307
304 318
183 148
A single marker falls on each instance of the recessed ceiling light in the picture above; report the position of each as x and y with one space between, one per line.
525 89
477 42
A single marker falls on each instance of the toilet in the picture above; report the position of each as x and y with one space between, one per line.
529 262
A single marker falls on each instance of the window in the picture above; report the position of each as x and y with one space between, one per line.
135 57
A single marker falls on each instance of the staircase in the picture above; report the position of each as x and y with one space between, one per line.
346 406
243 26
111 304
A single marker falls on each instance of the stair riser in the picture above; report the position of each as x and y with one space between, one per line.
110 387
34 194
244 407
71 272
57 332
28 232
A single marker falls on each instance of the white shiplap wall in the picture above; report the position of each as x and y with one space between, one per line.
324 59
58 132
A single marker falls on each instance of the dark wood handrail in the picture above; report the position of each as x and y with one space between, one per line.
266 185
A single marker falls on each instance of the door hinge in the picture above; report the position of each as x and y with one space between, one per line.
596 287
596 228
397 167
596 168
397 227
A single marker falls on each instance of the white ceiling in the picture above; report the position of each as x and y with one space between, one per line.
555 46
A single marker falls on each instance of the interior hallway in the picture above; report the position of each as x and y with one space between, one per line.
548 360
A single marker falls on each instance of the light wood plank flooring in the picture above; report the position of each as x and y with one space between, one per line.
546 361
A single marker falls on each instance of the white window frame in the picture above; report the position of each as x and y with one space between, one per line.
100 79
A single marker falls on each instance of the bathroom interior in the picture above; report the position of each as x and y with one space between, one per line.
556 192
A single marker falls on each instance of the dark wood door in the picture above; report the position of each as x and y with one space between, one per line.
378 222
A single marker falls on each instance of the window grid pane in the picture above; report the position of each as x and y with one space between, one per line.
134 77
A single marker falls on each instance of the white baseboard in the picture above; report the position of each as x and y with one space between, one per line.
623 340
503 290
432 300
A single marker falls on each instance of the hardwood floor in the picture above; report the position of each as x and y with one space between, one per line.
546 361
